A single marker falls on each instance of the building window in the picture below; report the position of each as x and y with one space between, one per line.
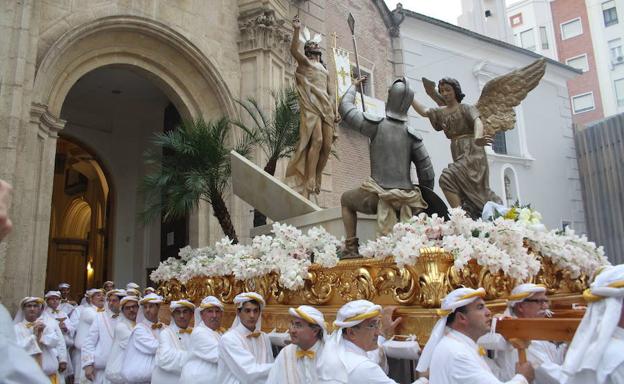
609 13
368 84
619 91
515 20
571 29
615 47
579 62
583 103
543 37
499 145
527 40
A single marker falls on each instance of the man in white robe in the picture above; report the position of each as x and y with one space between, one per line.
15 366
148 290
245 352
202 365
67 305
86 317
62 326
108 286
38 337
526 301
125 324
174 344
347 353
143 343
99 340
596 354
297 362
452 355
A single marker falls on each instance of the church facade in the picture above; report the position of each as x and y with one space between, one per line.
86 84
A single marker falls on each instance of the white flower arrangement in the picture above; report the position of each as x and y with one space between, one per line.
498 245
288 252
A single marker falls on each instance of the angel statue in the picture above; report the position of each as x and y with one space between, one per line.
318 114
465 182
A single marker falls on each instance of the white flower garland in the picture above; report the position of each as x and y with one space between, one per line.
497 245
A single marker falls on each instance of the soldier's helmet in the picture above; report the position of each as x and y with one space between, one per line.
400 98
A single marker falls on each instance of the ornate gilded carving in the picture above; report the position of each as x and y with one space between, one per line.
398 282
357 284
432 270
319 287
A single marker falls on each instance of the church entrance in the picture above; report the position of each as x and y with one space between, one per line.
96 232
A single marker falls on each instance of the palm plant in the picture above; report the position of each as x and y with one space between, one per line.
277 135
191 164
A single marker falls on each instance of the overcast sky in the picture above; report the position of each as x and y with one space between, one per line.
447 10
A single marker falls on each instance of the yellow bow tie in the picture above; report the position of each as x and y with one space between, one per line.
301 354
101 309
221 330
255 335
482 351
157 325
55 311
187 330
30 325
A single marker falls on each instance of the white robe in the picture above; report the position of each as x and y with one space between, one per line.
202 365
67 308
288 369
85 315
61 317
610 370
140 353
98 344
244 360
45 347
173 352
16 366
353 366
456 360
506 356
115 361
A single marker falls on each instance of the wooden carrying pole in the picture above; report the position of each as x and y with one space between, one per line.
520 332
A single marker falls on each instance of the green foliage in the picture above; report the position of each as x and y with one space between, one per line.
276 134
189 164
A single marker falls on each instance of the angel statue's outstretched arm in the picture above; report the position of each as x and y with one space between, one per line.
419 108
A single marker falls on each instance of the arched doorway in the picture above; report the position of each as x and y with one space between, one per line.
78 251
114 110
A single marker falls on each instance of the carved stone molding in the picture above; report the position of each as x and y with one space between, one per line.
49 125
263 29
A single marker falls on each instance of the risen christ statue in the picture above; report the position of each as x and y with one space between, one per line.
318 114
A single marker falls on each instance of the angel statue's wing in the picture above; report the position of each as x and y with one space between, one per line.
501 94
430 89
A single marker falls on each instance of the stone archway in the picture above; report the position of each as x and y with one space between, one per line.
189 79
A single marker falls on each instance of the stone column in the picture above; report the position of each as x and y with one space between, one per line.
266 65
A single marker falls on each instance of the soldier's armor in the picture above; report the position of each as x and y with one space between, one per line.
393 145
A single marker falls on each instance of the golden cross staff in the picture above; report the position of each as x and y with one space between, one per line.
351 21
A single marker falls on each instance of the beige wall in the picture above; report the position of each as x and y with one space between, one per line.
202 54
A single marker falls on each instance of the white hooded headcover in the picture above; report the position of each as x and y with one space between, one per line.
19 316
244 297
64 285
521 293
349 315
128 299
455 299
604 297
151 298
207 302
117 292
132 285
310 315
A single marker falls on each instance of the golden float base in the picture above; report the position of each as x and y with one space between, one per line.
417 289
